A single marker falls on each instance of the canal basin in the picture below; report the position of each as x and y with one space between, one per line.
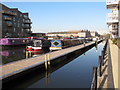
75 74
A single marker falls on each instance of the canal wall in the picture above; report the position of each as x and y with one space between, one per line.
115 58
17 69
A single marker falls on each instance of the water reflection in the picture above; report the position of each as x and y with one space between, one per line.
11 54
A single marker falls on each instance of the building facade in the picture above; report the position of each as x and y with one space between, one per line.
94 33
113 18
14 23
80 33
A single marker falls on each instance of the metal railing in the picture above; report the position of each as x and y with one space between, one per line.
108 2
97 71
112 17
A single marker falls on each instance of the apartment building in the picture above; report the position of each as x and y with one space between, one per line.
113 18
14 23
74 33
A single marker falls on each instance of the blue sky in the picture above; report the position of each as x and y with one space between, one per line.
64 16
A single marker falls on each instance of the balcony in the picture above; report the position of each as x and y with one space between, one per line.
112 18
7 18
26 27
114 27
9 25
112 3
9 13
114 31
27 22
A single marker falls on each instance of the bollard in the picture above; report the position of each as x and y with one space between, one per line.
27 54
48 59
30 54
46 62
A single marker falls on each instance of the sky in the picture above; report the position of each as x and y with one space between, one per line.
64 16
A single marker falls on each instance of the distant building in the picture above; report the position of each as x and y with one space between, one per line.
14 23
113 19
94 33
80 33
38 34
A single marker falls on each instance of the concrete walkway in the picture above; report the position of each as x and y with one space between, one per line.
106 80
22 65
103 80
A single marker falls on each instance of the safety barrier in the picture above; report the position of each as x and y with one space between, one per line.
97 71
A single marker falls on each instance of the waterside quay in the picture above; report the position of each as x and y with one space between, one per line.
18 68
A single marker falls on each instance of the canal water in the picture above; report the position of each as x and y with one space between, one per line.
75 74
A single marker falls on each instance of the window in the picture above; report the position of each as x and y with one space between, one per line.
6 16
14 18
18 24
14 30
22 30
25 16
20 15
8 22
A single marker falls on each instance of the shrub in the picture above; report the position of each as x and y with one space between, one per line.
114 40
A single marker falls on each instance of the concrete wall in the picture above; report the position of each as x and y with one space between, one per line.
114 58
119 20
0 21
119 68
0 37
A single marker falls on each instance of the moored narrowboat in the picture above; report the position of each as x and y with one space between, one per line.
38 44
13 41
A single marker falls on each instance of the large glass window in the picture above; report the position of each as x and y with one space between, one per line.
8 22
22 29
14 18
6 16
14 30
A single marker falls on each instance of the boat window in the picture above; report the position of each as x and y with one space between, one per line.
37 43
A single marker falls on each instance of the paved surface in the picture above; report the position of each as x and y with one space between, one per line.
103 80
106 80
22 65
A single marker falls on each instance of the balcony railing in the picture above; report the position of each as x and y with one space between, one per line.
9 12
9 24
112 18
27 21
111 2
113 28
7 18
26 27
114 31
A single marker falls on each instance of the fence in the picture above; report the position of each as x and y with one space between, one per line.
97 71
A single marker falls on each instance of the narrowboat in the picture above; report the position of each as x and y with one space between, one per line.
13 41
46 45
61 44
38 44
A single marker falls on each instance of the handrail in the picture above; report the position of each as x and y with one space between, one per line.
97 70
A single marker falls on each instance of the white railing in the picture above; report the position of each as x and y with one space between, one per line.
112 17
114 31
108 2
